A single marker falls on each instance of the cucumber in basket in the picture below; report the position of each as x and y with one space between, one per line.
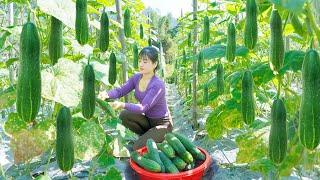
145 163
190 147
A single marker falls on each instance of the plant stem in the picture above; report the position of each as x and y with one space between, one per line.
279 85
47 165
70 174
2 175
285 22
313 21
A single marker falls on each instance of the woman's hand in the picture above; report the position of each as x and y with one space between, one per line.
116 105
103 95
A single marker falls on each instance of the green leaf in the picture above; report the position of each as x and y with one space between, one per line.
218 51
224 117
250 148
14 124
261 73
213 95
62 83
77 122
214 126
106 160
17 1
236 94
48 126
7 97
92 10
292 159
106 2
113 174
112 123
119 150
108 144
3 38
43 177
233 8
292 61
260 123
11 61
232 104
89 140
288 30
292 104
262 97
264 166
263 6
242 51
291 5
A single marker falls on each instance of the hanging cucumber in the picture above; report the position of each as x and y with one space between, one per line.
276 42
247 98
200 63
64 140
220 79
309 116
82 25
206 30
55 40
135 56
189 40
184 57
141 31
29 77
278 132
231 43
127 23
205 94
112 69
150 41
88 94
251 25
104 32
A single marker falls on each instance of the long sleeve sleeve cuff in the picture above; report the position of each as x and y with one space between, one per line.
112 94
127 106
134 108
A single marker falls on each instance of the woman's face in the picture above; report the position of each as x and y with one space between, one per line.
146 65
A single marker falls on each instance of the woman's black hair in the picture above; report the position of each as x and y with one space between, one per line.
151 53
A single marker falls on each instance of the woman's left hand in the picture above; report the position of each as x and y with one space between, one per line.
116 104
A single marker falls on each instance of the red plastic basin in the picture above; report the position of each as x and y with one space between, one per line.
193 174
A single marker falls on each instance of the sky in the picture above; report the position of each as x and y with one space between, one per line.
170 6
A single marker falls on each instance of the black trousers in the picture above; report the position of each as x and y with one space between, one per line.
146 127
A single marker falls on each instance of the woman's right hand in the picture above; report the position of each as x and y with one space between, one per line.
103 95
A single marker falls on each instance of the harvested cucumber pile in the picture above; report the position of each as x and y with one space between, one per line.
175 154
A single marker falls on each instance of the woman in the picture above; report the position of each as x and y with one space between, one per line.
151 117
